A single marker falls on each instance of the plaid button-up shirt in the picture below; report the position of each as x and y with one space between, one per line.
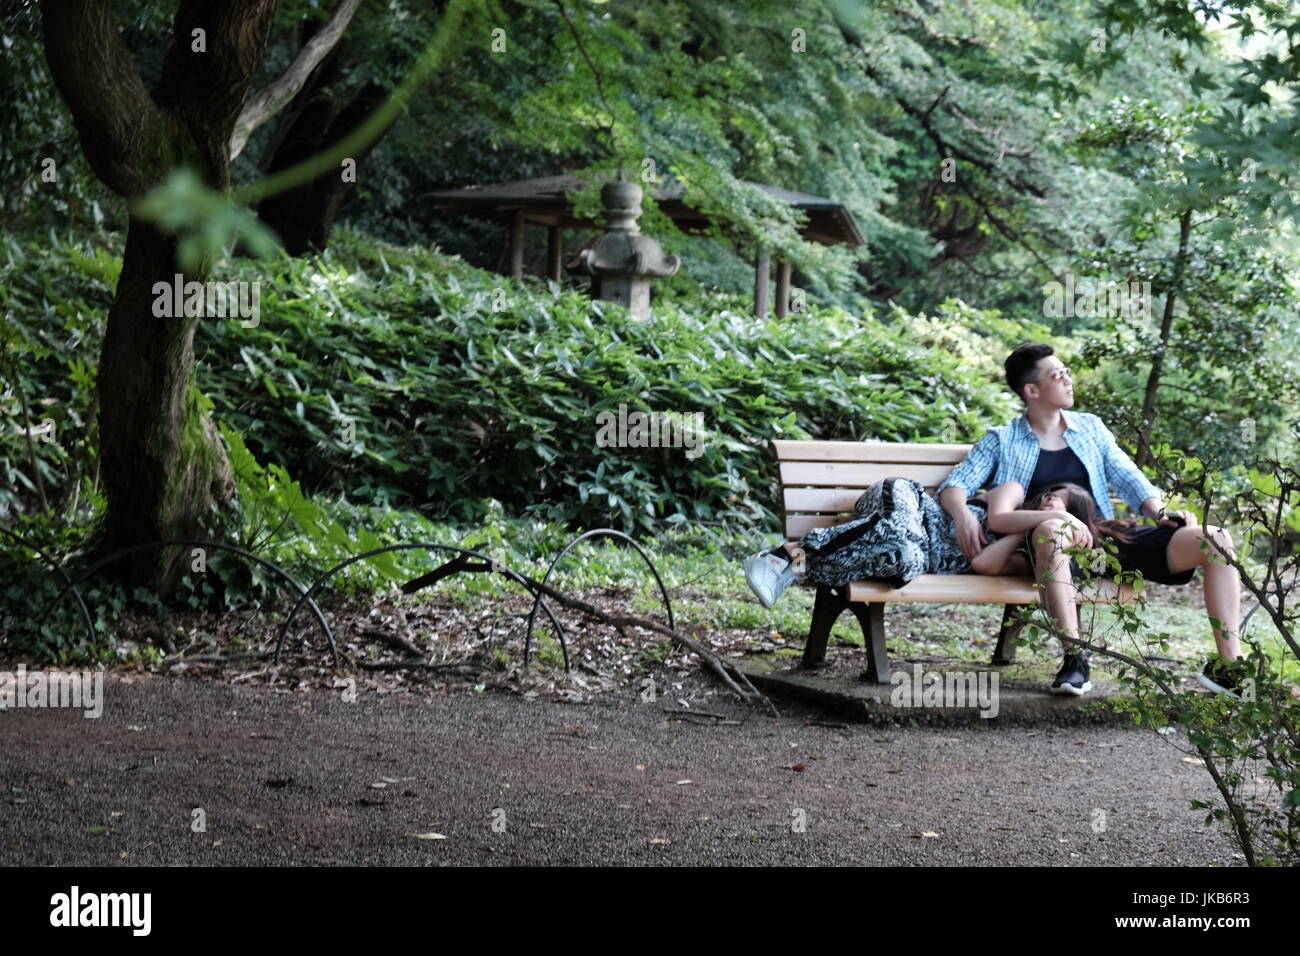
1010 453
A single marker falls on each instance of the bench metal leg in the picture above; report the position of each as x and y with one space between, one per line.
1005 652
827 607
829 604
872 619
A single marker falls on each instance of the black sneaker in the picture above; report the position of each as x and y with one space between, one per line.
1222 677
1072 678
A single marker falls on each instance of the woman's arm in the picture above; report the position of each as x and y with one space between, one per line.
1005 519
995 558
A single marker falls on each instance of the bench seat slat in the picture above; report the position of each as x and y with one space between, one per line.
860 475
972 589
914 453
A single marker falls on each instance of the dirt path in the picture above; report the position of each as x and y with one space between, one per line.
287 777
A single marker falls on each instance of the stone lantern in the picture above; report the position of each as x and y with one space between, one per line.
622 261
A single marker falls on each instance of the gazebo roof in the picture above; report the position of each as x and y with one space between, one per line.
544 200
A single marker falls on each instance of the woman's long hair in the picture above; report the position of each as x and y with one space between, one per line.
1085 509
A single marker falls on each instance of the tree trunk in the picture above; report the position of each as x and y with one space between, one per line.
162 461
161 458
303 217
313 121
1148 422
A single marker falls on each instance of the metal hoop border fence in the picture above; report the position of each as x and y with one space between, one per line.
598 532
306 595
492 564
196 543
58 569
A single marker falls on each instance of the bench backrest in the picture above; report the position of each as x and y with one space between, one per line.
820 480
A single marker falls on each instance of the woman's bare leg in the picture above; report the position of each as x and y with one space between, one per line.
1055 582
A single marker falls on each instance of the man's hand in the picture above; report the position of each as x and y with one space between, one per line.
1171 518
970 536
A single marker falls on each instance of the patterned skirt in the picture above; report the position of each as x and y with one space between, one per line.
902 532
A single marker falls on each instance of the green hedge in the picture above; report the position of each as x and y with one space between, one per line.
462 387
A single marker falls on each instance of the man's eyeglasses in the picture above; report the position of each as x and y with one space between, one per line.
1055 375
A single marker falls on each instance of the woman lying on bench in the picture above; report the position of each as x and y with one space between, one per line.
855 557
770 572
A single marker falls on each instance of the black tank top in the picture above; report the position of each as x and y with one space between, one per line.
1057 467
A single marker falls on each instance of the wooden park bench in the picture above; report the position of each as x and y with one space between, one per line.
821 480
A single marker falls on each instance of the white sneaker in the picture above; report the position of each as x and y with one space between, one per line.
768 576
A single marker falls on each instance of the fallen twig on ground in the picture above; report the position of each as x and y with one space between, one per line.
415 665
695 713
748 694
221 658
395 641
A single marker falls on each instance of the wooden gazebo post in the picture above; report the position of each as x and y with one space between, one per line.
761 269
517 245
554 252
545 201
783 290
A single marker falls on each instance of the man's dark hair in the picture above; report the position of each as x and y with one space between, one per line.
1021 363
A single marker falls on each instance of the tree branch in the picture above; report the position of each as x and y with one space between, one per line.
204 85
952 38
996 135
600 86
924 119
948 149
1005 228
374 126
272 98
749 693
120 126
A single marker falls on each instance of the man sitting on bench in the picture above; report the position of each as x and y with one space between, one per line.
1045 446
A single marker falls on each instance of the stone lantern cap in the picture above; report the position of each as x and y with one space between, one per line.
622 250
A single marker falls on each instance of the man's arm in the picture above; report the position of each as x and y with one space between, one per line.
969 476
1018 522
1126 478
